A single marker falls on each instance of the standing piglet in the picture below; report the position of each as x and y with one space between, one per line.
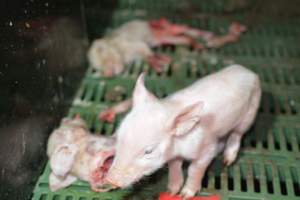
188 125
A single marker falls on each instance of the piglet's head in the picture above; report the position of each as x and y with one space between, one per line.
145 136
105 57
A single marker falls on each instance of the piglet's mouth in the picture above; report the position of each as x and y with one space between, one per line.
98 176
106 165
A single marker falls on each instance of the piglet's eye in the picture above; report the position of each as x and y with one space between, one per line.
149 150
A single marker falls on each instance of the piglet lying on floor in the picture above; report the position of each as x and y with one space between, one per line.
133 41
76 153
190 124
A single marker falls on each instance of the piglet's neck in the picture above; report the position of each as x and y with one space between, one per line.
169 154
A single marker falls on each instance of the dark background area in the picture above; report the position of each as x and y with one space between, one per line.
43 47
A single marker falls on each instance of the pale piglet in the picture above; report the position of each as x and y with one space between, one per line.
190 124
133 41
75 153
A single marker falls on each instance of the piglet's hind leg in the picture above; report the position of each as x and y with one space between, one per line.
234 140
232 148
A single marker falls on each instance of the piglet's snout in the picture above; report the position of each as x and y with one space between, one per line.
118 178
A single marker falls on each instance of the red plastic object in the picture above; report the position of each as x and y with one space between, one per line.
166 196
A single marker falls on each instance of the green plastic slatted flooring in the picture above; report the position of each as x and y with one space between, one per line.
269 162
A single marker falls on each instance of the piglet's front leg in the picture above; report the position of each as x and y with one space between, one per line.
195 174
175 176
197 170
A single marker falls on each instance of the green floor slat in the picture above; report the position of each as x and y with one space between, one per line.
268 167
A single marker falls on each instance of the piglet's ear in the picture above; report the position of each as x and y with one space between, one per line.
62 159
140 94
186 119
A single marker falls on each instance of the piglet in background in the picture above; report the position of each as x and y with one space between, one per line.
135 40
75 153
191 124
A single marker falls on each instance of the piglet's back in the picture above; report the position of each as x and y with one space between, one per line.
234 80
226 95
